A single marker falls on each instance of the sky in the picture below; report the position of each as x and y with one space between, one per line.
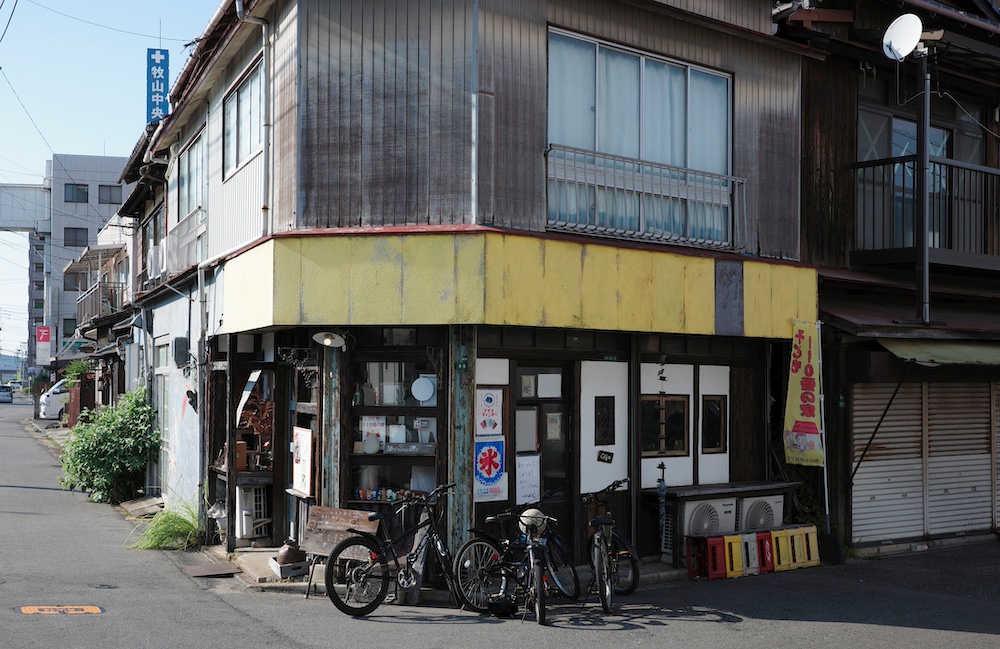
73 81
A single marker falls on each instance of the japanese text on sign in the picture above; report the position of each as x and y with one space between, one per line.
157 76
803 426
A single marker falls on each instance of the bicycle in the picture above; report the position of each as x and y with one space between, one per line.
527 574
479 561
612 556
358 571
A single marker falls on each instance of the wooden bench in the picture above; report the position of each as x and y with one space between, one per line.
326 527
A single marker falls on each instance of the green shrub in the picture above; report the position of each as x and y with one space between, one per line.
74 371
106 455
170 529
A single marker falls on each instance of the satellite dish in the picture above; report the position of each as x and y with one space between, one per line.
902 37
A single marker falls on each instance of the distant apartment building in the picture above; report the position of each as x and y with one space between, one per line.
63 215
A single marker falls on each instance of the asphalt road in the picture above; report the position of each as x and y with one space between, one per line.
60 549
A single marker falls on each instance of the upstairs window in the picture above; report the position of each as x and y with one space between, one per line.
243 124
75 237
109 194
639 145
191 179
76 193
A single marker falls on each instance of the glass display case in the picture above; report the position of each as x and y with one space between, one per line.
394 422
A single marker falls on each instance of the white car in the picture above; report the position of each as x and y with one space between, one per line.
52 403
6 394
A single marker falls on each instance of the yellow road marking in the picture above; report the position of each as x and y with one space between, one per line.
62 610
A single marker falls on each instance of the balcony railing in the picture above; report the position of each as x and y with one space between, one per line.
613 196
101 299
964 205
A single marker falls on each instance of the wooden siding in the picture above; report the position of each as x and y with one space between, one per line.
829 127
385 112
748 451
766 105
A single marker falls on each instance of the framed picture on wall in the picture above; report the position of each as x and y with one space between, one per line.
604 421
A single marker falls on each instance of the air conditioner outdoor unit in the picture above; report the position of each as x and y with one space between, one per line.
761 512
709 517
694 518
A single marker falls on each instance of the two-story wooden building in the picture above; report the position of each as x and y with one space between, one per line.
910 302
527 246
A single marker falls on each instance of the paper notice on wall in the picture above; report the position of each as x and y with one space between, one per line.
529 479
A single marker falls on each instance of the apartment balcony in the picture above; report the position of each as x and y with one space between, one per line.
101 299
623 198
963 218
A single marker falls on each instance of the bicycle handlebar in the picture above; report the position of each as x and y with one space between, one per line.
413 498
602 494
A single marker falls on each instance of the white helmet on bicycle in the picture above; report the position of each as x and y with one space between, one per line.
531 521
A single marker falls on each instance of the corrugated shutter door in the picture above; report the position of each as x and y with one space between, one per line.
888 491
959 466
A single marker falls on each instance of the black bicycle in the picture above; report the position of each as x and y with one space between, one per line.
485 559
358 570
612 556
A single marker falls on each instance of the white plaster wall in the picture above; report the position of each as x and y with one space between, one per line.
713 468
603 379
679 379
181 476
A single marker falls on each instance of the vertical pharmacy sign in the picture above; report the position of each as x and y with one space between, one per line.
803 431
157 73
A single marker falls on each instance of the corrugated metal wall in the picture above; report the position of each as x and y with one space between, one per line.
754 15
766 105
284 130
385 112
930 468
365 161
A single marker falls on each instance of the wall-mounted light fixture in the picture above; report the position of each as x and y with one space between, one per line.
330 339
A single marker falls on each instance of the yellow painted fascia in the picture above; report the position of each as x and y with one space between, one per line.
498 278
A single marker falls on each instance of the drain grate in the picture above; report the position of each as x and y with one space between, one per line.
104 586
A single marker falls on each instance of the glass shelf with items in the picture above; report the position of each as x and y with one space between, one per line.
384 482
395 434
394 384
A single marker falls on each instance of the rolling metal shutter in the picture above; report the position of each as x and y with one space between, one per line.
888 491
959 458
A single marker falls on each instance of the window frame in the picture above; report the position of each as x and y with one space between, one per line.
662 450
236 137
76 193
110 191
74 242
723 422
191 184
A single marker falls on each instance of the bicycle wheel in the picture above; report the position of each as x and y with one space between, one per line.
562 571
477 573
602 573
357 576
625 575
538 588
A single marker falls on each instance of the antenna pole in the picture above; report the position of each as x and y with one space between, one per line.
923 195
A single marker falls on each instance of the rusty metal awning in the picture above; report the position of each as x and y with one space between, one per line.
934 353
872 319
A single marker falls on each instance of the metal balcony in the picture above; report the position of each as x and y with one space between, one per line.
101 299
613 196
963 219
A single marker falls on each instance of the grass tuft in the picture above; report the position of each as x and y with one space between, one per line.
170 529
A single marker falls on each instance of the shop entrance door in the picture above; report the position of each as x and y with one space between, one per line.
544 442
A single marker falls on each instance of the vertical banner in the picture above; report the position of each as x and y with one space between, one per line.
43 346
157 75
803 431
490 470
